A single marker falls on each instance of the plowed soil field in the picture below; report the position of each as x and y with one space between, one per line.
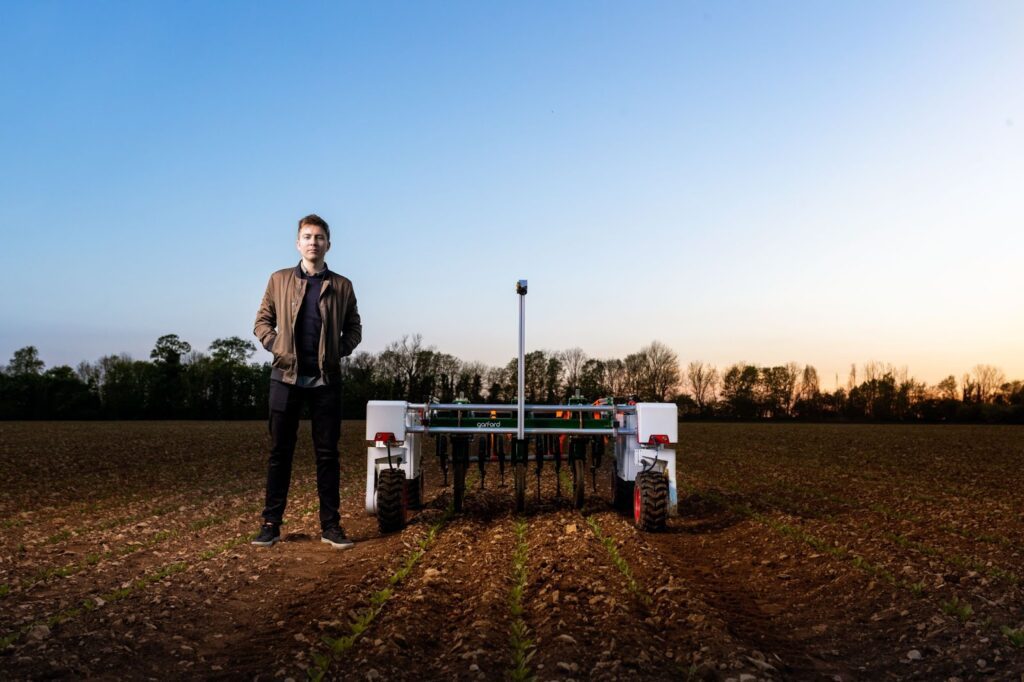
807 552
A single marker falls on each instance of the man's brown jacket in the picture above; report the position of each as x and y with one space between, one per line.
341 332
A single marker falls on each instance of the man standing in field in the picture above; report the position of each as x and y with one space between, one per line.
309 320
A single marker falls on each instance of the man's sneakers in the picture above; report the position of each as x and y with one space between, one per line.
335 537
271 533
268 535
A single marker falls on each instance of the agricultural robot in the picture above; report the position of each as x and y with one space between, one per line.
526 437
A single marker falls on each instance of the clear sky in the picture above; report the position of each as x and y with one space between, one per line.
821 182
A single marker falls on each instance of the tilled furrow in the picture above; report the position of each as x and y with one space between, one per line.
449 619
698 630
886 587
309 595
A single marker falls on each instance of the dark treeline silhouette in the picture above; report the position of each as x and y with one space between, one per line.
180 383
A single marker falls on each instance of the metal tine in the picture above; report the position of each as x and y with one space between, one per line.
539 452
483 452
441 446
556 448
499 446
596 451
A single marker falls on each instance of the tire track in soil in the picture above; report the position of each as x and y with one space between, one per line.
449 620
586 622
892 543
717 579
945 627
819 615
715 620
611 621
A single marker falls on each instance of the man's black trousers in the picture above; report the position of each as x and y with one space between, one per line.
286 403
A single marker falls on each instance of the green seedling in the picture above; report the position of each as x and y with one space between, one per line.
1015 635
613 551
58 537
339 646
523 648
958 608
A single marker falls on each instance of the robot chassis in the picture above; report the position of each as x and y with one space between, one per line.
643 478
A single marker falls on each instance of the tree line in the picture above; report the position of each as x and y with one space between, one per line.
178 382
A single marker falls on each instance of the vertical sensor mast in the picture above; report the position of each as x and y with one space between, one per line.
521 290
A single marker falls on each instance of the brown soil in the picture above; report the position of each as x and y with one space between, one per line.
800 552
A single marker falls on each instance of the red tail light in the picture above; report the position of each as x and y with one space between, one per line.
658 439
384 437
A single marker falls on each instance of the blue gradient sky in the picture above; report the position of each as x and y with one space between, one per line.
758 181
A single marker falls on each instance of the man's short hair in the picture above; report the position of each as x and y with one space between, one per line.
317 221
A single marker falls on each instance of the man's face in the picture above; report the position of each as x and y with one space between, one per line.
312 242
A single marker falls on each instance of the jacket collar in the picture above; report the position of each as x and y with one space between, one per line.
300 273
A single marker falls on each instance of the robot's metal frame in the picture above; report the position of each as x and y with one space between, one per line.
643 478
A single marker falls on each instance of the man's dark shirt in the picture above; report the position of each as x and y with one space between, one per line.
308 325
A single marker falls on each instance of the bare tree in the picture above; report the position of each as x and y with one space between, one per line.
472 376
873 371
662 370
404 361
498 382
592 379
969 389
635 373
702 380
987 380
947 388
810 387
572 365
615 377
775 389
448 371
792 373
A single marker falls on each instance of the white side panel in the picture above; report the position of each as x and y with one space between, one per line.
412 447
631 459
386 416
657 419
371 480
377 459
